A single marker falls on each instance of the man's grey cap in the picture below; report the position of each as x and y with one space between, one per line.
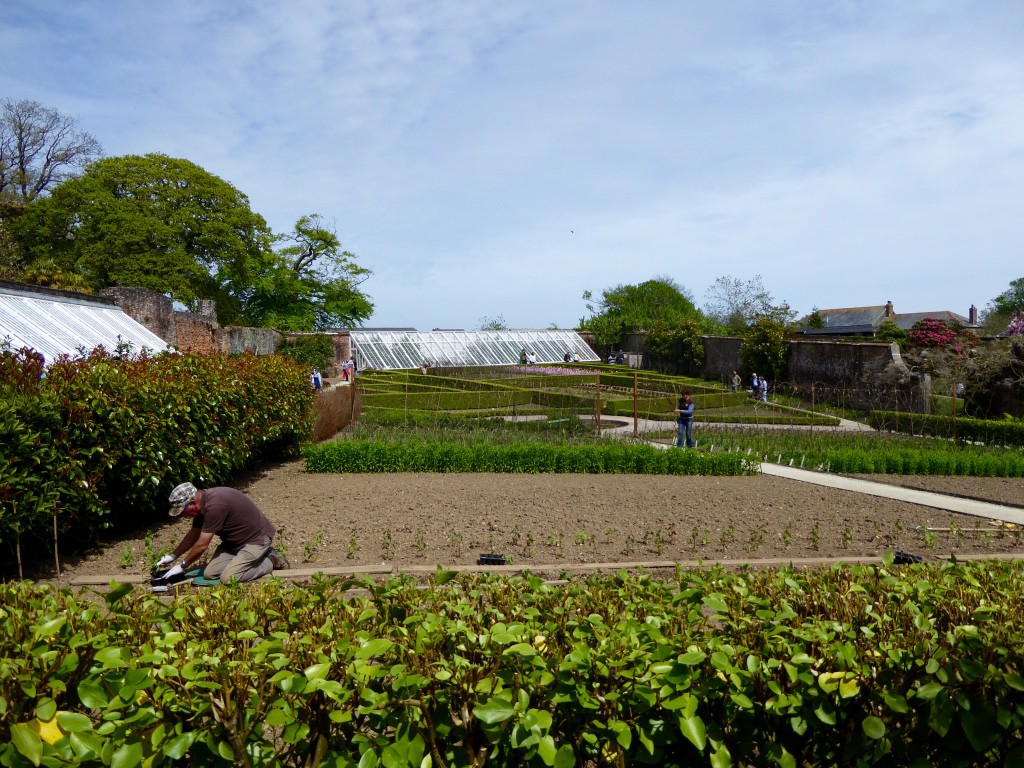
180 497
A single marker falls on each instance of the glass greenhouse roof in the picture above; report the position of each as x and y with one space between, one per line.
56 325
392 350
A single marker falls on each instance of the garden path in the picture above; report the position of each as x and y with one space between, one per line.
966 506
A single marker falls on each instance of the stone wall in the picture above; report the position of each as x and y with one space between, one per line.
863 375
236 339
190 331
151 309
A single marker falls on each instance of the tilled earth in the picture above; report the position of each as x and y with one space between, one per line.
408 521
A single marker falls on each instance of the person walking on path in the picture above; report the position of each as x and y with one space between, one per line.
764 390
684 415
245 551
736 381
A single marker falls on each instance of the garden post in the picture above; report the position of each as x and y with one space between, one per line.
634 404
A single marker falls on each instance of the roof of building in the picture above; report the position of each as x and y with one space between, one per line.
907 320
58 323
391 350
865 320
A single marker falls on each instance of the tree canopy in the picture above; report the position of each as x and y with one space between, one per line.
167 224
631 308
1010 301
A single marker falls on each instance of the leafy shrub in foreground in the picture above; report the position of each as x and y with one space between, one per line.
107 436
875 665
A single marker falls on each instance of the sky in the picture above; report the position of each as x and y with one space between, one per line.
494 160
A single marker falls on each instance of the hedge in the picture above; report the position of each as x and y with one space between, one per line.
446 400
989 432
105 438
913 666
449 456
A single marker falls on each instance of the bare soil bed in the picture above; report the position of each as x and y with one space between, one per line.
408 521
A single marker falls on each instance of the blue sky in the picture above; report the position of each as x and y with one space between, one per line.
497 159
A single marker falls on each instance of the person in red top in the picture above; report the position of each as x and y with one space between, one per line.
246 535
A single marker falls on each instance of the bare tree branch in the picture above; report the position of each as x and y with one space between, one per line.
39 148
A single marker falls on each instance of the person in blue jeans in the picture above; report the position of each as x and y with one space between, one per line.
684 415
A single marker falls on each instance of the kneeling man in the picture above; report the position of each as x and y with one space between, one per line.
246 535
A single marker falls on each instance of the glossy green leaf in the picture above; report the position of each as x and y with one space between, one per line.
873 727
494 711
693 730
73 722
27 742
127 756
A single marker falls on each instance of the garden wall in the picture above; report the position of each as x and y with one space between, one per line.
864 375
191 331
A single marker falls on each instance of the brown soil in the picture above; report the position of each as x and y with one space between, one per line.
416 520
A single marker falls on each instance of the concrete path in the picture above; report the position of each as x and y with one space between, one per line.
984 509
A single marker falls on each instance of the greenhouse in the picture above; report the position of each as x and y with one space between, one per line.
397 349
58 323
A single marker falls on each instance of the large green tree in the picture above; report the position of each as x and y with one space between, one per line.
167 224
631 308
151 221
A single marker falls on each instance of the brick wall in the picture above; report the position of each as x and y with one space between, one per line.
153 310
191 331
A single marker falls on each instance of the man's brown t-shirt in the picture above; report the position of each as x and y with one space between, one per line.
234 517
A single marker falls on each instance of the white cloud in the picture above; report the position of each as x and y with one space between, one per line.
488 159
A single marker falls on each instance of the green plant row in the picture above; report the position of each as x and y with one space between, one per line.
703 403
106 437
446 400
395 425
449 456
881 454
987 431
913 666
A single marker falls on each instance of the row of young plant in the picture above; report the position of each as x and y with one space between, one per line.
1006 432
106 437
882 454
420 455
913 666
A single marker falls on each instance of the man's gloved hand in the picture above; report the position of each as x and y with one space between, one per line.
165 560
169 575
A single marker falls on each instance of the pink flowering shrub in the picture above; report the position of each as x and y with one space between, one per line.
931 333
1016 327
936 334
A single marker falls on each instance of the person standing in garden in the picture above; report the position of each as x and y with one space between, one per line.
736 381
684 415
764 390
246 535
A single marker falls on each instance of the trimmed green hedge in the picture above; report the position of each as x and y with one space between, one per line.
440 400
106 438
447 456
666 405
989 432
882 665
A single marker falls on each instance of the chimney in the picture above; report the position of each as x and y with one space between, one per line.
972 315
888 309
